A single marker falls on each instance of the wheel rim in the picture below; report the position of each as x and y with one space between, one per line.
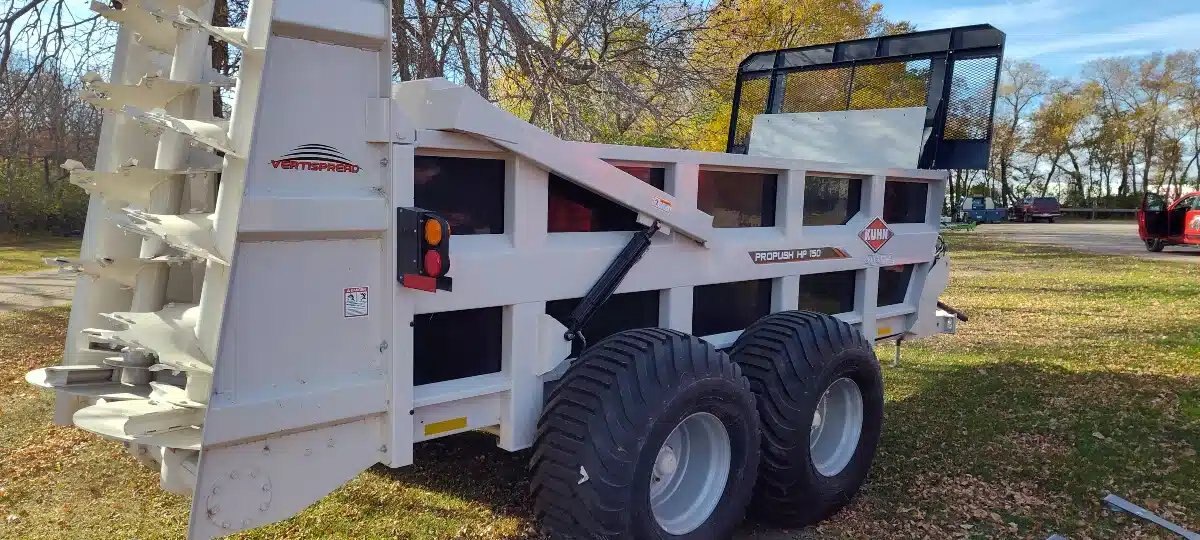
689 473
836 428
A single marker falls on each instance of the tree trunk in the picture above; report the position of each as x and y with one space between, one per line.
1004 189
1151 139
1078 174
1050 175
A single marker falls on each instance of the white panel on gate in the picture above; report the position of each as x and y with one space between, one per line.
871 138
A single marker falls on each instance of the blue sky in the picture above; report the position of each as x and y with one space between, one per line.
1062 35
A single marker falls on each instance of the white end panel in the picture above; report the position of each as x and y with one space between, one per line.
869 138
931 285
300 392
257 483
301 340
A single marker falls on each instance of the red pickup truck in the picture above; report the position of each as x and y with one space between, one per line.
1176 224
1031 209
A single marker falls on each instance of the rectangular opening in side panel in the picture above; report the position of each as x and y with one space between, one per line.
573 208
830 292
905 202
738 199
624 311
655 176
830 200
467 192
725 307
893 284
456 344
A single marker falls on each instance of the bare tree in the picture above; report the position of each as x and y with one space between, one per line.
1022 85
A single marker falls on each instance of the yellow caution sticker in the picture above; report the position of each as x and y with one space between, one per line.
884 331
445 425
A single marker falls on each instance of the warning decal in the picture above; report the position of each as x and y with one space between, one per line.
354 302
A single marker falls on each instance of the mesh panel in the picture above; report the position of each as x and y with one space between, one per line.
815 91
890 85
751 101
969 110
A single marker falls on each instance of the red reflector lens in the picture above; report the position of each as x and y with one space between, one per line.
433 263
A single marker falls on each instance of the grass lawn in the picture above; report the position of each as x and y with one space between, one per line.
1077 376
24 253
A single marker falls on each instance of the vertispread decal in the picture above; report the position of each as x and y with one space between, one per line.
797 255
876 234
316 158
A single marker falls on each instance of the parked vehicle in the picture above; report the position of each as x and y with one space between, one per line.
595 303
1176 224
980 210
1031 209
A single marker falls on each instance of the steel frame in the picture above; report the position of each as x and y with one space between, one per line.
941 47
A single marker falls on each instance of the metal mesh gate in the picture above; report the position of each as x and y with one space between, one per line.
953 73
972 92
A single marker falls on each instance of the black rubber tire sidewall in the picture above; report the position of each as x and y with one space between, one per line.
791 359
720 399
612 411
830 493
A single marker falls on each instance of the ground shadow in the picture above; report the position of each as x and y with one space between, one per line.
972 422
470 466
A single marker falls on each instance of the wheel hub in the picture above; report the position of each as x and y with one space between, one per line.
836 427
666 464
689 474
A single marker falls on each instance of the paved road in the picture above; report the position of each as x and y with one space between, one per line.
1110 238
35 290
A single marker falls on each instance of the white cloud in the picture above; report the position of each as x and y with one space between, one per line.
1085 58
1000 15
1173 32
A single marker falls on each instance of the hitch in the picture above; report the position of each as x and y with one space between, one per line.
957 314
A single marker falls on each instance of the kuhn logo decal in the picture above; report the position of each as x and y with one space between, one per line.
876 234
316 158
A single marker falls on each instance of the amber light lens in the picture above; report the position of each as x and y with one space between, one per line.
433 232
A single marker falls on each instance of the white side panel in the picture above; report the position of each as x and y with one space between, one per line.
870 138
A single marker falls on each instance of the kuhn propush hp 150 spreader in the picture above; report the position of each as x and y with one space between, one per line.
270 303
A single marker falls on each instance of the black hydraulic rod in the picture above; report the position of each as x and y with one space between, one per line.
957 314
612 277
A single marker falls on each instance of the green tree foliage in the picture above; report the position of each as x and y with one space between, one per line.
740 27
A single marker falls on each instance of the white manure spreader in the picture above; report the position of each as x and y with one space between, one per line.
270 303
